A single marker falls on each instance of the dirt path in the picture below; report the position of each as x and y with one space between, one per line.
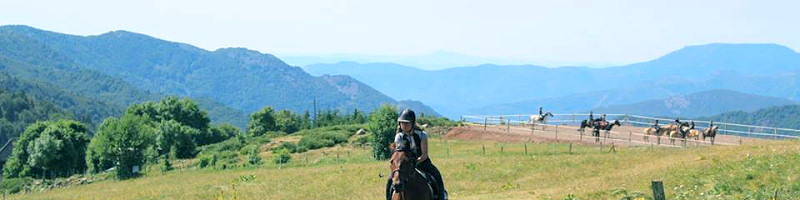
620 136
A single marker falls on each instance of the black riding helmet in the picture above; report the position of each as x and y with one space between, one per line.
407 116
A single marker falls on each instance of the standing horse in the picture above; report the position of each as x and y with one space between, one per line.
710 132
681 132
407 182
542 119
606 127
694 133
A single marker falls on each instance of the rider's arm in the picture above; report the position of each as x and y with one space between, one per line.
424 147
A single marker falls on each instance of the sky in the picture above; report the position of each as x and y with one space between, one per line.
550 33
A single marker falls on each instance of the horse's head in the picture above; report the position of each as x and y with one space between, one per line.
402 165
548 114
616 122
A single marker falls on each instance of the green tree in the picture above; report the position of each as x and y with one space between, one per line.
223 132
44 152
184 111
120 143
358 117
171 134
55 146
305 120
287 122
262 121
382 127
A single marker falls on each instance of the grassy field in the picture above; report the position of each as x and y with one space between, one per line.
504 171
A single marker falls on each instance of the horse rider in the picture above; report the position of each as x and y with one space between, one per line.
540 111
657 127
409 133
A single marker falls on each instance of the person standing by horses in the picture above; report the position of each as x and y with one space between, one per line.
409 133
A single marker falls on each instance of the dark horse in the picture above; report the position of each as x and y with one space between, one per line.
598 125
407 183
710 132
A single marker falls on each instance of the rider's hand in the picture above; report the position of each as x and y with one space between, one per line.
422 158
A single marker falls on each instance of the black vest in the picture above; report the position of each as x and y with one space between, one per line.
418 151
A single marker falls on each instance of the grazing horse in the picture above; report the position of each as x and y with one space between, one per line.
710 132
542 119
407 182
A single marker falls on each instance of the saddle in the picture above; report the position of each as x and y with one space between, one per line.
432 184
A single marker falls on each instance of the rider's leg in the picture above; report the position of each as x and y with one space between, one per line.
389 189
428 167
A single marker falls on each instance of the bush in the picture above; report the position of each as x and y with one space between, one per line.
254 158
14 185
247 149
360 140
326 137
382 125
286 145
281 157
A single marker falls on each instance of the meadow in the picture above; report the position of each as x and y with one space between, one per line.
482 170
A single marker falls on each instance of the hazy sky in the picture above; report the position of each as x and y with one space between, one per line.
555 32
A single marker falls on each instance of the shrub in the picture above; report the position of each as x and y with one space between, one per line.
14 185
254 158
281 157
382 124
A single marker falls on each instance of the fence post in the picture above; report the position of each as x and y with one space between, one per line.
526 148
556 132
630 133
570 148
724 127
748 131
626 121
573 119
485 121
508 125
501 149
484 149
775 132
658 190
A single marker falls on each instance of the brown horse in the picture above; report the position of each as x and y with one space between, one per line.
407 183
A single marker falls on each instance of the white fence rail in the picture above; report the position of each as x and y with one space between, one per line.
743 130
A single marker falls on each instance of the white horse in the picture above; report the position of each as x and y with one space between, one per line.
541 119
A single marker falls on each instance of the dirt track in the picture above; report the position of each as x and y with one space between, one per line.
621 136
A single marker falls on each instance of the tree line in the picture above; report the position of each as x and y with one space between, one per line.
153 133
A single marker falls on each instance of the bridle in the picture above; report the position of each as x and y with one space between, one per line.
399 188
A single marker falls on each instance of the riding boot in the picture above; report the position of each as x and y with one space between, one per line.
389 189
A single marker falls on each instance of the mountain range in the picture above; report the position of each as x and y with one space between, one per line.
758 69
120 68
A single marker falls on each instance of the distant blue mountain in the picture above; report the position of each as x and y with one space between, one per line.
760 69
698 104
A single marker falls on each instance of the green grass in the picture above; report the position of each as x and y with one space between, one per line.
547 171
